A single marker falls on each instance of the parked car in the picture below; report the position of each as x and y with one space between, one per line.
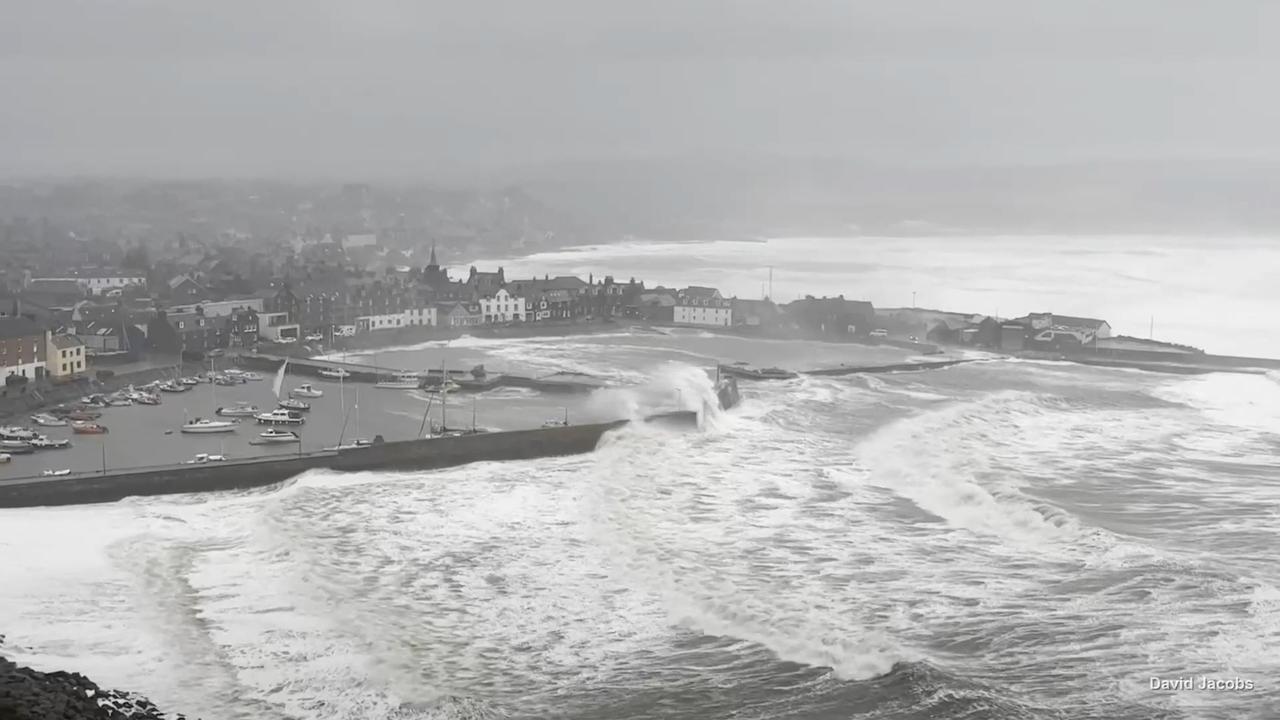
879 333
315 337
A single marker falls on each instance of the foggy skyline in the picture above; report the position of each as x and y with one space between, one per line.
434 90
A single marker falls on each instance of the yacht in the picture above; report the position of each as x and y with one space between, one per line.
47 420
294 404
334 373
278 436
14 432
44 442
280 416
238 410
403 381
306 390
16 447
203 425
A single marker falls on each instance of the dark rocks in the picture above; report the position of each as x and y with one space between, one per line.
27 694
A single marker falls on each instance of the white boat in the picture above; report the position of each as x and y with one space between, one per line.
14 432
16 447
403 381
239 410
55 473
173 387
204 458
44 442
228 380
115 401
334 373
251 376
278 436
204 425
353 445
5 457
306 390
188 381
294 404
448 386
143 398
280 416
47 420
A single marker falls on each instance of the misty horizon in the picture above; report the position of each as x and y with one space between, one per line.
399 91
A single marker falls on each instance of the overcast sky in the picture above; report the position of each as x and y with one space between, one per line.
420 88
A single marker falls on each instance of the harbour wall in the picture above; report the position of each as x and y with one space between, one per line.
370 373
421 454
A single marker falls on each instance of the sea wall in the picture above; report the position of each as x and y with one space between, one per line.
423 454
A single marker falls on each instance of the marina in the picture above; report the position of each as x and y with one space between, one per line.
345 416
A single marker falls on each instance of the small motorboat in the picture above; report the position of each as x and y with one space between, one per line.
5 457
16 447
55 473
251 376
117 401
44 442
47 420
280 416
201 458
294 404
228 380
334 373
97 401
173 387
88 428
14 432
143 398
306 390
273 435
204 425
239 410
83 416
189 381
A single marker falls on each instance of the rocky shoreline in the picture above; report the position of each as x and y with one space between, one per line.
27 694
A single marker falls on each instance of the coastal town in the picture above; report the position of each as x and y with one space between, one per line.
62 323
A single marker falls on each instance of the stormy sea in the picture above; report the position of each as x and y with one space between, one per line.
997 539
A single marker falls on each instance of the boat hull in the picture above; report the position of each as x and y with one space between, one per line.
206 430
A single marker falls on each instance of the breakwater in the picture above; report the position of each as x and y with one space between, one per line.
419 454
555 383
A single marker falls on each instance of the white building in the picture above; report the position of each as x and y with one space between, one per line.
420 316
96 283
222 308
702 306
275 327
502 308
370 323
65 356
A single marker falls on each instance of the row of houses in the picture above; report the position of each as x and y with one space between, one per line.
30 352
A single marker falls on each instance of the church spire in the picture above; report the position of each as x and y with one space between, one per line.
432 263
